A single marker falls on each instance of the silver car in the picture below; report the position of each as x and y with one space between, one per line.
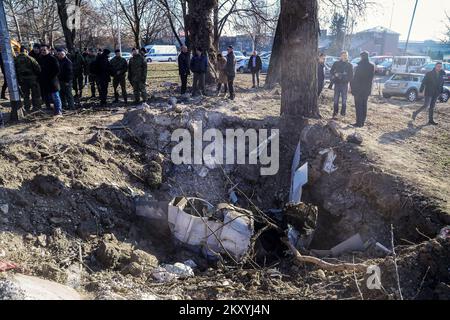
403 85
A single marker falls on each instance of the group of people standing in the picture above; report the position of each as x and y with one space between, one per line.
343 75
53 75
198 65
360 80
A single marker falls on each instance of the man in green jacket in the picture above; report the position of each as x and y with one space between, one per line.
120 68
28 70
137 75
91 76
78 64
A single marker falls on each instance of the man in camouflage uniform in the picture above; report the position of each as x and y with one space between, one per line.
119 67
137 75
92 79
78 65
28 70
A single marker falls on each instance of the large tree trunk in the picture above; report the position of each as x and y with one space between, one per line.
274 72
69 34
300 29
200 31
299 33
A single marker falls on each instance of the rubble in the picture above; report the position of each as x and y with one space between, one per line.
355 138
168 272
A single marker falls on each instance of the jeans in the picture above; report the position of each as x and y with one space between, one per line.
430 101
67 95
361 109
255 78
56 99
184 80
340 90
199 84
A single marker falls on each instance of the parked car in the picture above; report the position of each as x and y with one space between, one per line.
430 66
265 54
242 66
238 54
409 64
355 61
161 53
445 95
403 84
384 68
126 55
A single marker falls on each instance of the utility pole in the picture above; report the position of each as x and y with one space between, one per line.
10 70
392 14
119 40
410 26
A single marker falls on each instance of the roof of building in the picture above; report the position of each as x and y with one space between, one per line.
379 29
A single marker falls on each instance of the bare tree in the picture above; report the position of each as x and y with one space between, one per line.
14 8
67 24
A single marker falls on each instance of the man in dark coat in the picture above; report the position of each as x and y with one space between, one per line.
255 67
65 78
362 87
341 74
5 85
321 73
119 67
89 60
199 67
36 52
103 71
433 84
184 60
230 70
48 79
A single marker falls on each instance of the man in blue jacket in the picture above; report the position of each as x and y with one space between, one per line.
433 85
199 67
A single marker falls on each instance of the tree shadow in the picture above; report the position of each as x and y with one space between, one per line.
401 135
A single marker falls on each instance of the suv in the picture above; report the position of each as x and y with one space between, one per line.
403 84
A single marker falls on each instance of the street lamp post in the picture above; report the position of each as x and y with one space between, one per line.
410 26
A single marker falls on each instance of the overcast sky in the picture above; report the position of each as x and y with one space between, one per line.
430 21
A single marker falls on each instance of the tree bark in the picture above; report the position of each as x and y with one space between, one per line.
274 72
200 31
299 32
69 34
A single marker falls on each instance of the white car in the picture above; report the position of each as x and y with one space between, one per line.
238 54
126 55
161 53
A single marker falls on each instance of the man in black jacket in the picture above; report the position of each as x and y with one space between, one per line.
36 52
48 79
341 74
5 85
321 73
433 84
199 67
184 60
255 66
103 71
362 87
65 78
230 70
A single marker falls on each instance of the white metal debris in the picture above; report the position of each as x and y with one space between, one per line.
328 165
203 228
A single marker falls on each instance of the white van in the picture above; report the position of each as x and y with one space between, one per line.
161 53
409 64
